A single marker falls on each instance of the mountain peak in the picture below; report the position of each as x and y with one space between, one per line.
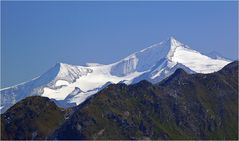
60 64
172 38
172 45
67 72
173 42
145 59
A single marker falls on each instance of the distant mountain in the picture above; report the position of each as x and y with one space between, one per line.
182 106
216 55
71 85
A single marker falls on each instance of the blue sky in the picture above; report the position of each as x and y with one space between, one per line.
36 35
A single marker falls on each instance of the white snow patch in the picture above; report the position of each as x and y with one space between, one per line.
196 61
61 83
93 64
99 76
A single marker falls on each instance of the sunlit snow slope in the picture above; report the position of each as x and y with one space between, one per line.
70 85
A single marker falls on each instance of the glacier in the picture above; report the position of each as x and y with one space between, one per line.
70 85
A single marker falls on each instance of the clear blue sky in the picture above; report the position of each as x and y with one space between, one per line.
36 35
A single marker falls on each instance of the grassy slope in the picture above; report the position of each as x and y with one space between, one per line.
182 107
34 117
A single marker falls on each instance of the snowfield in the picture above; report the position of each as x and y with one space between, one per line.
97 77
71 85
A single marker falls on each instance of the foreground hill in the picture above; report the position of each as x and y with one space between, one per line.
32 118
182 106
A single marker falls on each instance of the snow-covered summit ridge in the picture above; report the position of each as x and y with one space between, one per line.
72 85
71 72
139 62
93 64
145 59
216 55
142 60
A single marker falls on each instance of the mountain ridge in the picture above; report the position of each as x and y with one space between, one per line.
189 106
153 63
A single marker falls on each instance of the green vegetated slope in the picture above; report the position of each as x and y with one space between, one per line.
198 106
183 106
32 118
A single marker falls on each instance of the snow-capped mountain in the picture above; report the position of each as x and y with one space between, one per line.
216 55
71 85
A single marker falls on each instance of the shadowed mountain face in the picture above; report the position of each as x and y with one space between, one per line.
183 106
198 106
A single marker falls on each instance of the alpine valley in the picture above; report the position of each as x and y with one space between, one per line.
70 85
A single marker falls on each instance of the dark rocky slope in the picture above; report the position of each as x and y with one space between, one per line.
183 106
32 118
198 106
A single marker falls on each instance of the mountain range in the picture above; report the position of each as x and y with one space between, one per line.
182 106
70 85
